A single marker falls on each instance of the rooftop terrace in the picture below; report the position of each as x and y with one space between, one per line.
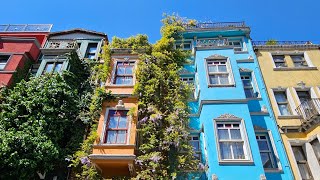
25 27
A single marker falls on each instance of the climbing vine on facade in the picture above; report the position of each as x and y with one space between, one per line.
163 151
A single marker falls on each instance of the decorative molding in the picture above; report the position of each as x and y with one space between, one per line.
245 70
216 56
112 156
228 116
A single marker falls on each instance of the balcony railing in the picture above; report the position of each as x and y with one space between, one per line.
217 25
309 110
61 44
280 43
25 27
212 42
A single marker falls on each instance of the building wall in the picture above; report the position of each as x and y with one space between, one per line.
216 101
289 79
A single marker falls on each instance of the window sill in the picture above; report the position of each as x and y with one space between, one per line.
245 61
119 85
241 52
294 68
6 72
273 170
254 98
289 117
232 162
114 146
221 85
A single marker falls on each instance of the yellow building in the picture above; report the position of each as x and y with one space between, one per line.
291 71
114 151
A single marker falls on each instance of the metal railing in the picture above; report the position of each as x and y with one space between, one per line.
61 44
279 43
309 110
217 25
212 42
25 27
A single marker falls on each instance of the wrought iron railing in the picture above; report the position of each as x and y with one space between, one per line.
61 44
309 110
217 25
25 27
273 43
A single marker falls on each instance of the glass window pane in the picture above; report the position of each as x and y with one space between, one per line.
121 139
120 70
246 82
222 68
213 79
4 58
212 68
266 160
298 153
223 134
129 69
58 66
128 81
195 145
225 150
91 56
111 137
224 79
48 68
119 80
297 58
123 122
278 58
263 145
2 65
235 134
249 93
280 96
238 150
92 49
284 110
113 122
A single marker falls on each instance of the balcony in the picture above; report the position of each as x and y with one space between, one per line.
212 43
218 25
25 27
309 112
276 45
59 46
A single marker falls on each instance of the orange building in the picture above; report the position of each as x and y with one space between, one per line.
114 151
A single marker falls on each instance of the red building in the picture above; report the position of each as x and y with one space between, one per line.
19 48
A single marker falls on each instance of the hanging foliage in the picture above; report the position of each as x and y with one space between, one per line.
163 151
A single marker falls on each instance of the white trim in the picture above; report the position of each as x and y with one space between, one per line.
291 102
246 146
308 60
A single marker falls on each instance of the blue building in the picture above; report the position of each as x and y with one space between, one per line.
233 130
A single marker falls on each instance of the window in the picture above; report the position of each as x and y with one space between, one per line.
236 44
231 141
247 85
316 148
124 73
299 61
91 50
52 67
279 61
194 141
282 102
116 127
3 61
302 162
268 157
218 72
188 80
184 45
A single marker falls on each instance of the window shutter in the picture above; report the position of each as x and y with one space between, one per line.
232 82
291 101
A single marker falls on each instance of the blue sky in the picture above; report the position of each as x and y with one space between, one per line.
277 19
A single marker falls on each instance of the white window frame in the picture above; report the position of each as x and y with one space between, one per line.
271 145
184 42
114 70
246 146
103 133
229 73
290 101
198 152
5 64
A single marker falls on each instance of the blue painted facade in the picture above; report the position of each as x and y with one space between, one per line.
225 105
